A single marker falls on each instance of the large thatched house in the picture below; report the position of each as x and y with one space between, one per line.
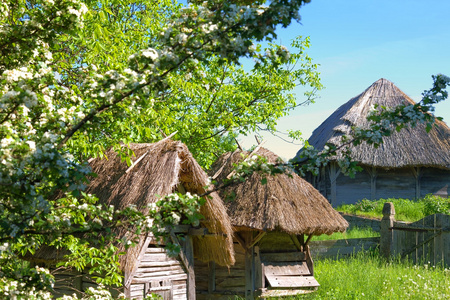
409 164
270 222
159 169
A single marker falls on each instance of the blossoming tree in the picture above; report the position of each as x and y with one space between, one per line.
52 94
78 76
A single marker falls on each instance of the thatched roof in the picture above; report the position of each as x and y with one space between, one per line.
284 203
159 170
409 147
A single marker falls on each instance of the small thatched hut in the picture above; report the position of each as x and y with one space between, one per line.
159 169
409 164
270 223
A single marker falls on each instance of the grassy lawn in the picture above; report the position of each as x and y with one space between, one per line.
405 209
367 276
354 233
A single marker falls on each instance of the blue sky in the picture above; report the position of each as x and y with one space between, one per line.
357 42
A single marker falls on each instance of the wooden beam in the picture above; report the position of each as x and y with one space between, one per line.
334 174
257 239
259 272
309 261
212 278
296 242
189 248
417 171
283 256
187 258
308 239
183 228
183 258
249 275
240 240
198 231
129 275
373 183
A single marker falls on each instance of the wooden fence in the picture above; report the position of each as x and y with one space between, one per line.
424 241
341 248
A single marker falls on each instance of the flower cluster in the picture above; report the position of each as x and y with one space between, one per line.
174 209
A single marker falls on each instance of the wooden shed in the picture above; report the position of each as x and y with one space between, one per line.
272 223
409 164
158 169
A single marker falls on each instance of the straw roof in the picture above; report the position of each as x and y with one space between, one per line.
409 147
160 168
284 203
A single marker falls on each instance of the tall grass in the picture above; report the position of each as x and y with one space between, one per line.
405 209
367 276
354 233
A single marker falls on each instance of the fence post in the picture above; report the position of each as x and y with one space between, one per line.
386 234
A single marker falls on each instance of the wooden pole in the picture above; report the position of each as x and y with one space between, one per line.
191 274
334 174
386 233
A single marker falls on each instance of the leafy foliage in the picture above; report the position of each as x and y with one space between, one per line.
353 233
405 209
435 205
80 76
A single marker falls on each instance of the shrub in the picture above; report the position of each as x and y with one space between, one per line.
435 205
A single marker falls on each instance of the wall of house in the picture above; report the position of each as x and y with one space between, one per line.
157 273
395 183
435 181
350 190
377 183
276 242
217 282
73 282
161 274
223 283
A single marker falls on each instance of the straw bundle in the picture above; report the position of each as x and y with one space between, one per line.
159 170
284 203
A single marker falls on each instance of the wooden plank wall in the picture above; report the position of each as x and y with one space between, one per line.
335 249
228 283
408 183
157 271
434 181
276 241
398 183
350 190
73 282
424 246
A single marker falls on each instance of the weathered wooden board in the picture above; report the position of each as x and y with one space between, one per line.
171 277
434 181
284 293
161 274
349 190
283 256
276 242
340 248
286 269
277 281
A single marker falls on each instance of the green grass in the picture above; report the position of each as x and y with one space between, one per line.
367 276
354 233
405 209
